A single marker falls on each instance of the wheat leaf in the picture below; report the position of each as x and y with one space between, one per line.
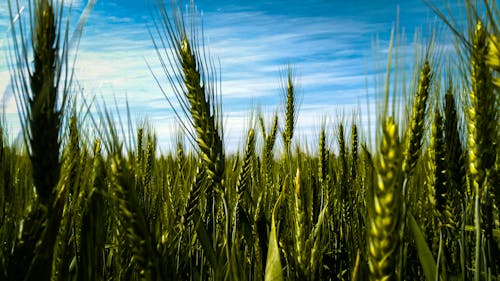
274 270
424 253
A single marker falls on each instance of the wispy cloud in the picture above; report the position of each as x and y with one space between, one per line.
331 54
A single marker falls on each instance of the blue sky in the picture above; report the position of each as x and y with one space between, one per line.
329 43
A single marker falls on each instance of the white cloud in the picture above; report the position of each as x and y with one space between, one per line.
4 80
331 55
251 56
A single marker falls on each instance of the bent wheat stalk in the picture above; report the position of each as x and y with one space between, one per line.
193 79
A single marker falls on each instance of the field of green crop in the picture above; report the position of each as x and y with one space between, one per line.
422 205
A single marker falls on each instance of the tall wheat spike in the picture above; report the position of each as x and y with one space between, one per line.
354 144
437 176
41 85
455 156
290 110
323 156
455 179
150 157
140 148
38 88
345 193
357 200
343 157
196 90
413 140
438 197
413 144
482 125
139 161
268 153
323 166
300 235
270 140
385 210
193 79
209 140
244 177
344 176
493 60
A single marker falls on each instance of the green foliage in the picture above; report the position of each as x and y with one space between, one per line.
274 270
115 208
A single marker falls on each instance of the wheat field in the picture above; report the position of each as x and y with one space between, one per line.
419 201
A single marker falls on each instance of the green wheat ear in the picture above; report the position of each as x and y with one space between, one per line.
244 177
194 83
416 127
482 119
455 155
37 87
290 108
209 140
385 211
323 157
300 225
41 84
437 176
354 144
482 125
